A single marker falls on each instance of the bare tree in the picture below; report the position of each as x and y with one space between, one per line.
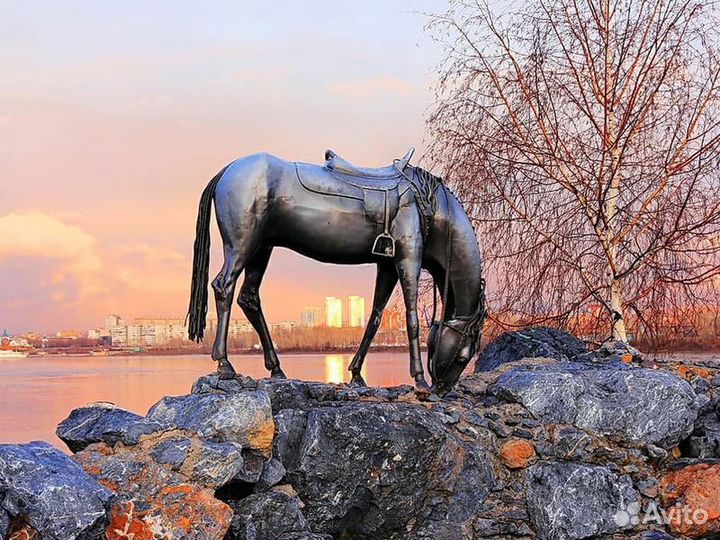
585 137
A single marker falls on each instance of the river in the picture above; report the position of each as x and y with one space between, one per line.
36 393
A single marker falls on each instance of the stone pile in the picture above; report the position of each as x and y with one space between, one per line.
584 446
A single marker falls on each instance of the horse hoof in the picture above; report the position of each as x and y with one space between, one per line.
357 380
277 373
225 370
422 389
441 391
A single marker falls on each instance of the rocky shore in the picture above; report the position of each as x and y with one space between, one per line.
565 444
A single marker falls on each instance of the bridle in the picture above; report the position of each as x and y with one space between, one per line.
468 330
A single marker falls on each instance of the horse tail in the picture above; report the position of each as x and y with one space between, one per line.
197 311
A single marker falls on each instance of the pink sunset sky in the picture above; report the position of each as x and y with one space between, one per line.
114 116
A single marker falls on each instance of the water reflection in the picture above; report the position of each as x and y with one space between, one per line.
336 369
37 393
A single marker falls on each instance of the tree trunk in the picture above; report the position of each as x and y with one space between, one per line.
616 310
618 320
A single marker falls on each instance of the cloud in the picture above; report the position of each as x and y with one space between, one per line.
149 270
38 235
372 87
76 277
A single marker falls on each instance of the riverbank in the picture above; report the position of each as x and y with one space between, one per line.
536 448
37 392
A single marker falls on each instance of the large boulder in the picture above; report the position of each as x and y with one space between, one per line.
535 342
634 406
267 516
46 489
93 423
164 468
244 418
570 501
368 470
152 501
370 463
693 492
4 523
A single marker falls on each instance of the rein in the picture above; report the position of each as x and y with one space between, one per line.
429 184
448 261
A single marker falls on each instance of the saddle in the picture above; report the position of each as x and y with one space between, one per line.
336 163
377 188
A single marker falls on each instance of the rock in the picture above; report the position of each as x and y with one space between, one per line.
638 406
292 460
516 453
617 351
572 500
23 531
655 535
290 426
551 395
97 422
571 443
305 536
51 492
252 467
368 470
272 474
4 523
648 487
266 516
216 464
536 342
705 440
172 451
152 501
244 418
694 492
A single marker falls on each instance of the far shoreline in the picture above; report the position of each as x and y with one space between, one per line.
94 353
665 351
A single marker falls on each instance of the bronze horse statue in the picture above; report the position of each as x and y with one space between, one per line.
400 217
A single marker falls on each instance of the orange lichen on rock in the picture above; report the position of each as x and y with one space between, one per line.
261 438
693 492
152 502
690 372
517 453
24 532
124 525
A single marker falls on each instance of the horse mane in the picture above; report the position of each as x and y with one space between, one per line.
427 184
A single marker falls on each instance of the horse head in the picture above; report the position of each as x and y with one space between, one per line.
452 343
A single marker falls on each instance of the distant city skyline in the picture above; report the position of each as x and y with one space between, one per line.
160 329
107 148
156 331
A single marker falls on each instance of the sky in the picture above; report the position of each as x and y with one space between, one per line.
114 116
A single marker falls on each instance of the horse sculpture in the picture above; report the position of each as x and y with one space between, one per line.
400 217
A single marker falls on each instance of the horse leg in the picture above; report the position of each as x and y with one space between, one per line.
224 287
408 270
384 284
249 301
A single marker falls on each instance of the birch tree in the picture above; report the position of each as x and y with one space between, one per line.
584 137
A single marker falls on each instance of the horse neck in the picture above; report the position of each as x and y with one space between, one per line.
465 262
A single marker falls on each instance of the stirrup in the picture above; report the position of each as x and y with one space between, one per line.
384 245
